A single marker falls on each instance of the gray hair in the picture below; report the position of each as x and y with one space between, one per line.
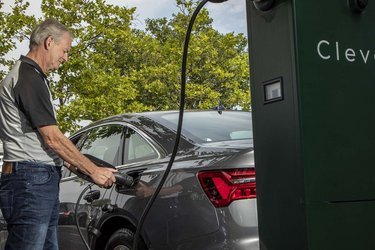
47 28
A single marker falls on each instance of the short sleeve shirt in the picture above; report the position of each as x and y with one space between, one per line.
26 105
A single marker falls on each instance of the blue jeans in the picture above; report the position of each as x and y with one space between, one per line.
29 201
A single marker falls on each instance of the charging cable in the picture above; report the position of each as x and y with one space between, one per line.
177 140
179 125
76 216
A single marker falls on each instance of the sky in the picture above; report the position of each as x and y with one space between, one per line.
229 16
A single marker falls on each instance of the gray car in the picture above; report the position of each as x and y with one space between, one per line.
207 202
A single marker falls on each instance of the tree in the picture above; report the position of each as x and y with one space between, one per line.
217 63
114 68
14 26
96 81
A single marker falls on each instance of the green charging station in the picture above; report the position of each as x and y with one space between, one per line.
312 66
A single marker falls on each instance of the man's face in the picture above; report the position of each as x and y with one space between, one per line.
59 51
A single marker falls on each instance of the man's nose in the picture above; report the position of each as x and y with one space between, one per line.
65 57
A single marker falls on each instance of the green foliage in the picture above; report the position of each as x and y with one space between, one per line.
15 27
217 63
96 80
114 68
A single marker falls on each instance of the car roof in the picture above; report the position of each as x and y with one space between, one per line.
134 118
159 129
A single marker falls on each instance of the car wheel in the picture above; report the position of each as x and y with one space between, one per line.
122 239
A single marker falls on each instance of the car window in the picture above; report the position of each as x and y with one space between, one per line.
211 126
76 140
105 143
65 173
137 148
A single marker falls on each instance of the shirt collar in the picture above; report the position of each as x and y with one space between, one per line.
31 62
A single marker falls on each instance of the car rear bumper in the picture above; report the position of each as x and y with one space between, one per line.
217 241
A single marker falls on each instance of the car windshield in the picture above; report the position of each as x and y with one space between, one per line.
211 126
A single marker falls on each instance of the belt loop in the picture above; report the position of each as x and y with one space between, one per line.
14 166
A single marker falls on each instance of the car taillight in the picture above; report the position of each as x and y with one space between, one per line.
223 187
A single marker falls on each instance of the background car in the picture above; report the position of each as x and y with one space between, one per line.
208 200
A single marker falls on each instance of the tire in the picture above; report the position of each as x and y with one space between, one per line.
122 239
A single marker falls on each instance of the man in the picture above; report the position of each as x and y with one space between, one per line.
34 147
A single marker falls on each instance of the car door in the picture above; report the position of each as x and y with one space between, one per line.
106 143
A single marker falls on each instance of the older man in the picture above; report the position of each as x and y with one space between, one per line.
34 146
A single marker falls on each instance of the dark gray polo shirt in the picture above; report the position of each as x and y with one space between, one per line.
25 105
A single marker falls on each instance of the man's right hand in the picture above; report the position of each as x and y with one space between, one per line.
103 176
62 146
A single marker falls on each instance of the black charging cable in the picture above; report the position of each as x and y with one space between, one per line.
177 140
76 216
179 126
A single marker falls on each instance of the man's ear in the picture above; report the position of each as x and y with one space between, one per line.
48 42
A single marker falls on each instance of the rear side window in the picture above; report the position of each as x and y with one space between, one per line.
105 143
211 126
137 148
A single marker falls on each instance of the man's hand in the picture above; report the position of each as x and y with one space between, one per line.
103 176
